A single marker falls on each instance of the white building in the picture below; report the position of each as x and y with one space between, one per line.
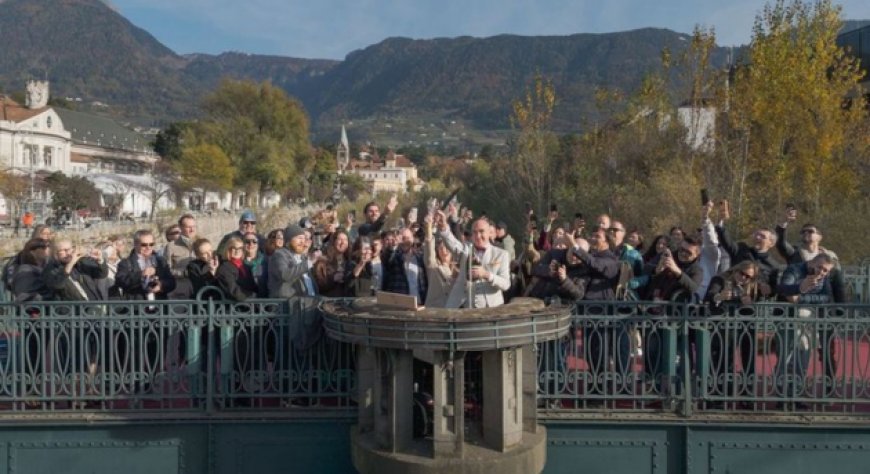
394 174
37 140
700 123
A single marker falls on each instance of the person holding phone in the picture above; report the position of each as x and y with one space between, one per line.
763 241
484 269
144 274
375 220
74 276
203 268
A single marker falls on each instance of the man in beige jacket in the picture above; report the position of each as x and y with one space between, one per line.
484 269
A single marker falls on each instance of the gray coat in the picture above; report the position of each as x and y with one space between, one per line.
286 275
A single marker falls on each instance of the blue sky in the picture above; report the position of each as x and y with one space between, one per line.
330 29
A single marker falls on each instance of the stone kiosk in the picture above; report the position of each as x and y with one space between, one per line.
510 439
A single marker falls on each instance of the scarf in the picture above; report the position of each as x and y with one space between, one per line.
240 265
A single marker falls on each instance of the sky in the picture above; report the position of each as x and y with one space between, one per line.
330 29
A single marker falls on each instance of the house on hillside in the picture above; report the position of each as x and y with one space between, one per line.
394 173
37 139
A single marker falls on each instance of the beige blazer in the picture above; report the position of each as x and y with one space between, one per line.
486 294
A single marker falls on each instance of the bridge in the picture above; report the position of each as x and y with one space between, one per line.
218 386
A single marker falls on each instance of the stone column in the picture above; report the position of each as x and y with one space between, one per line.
502 398
449 410
394 399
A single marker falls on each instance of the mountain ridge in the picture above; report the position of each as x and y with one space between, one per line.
95 53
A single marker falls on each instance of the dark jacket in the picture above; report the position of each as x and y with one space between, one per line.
603 273
793 256
367 228
666 286
86 272
791 281
129 277
200 276
234 285
395 278
769 269
28 284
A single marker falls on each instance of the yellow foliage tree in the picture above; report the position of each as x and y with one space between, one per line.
787 108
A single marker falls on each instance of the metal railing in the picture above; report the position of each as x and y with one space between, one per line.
631 357
178 355
686 358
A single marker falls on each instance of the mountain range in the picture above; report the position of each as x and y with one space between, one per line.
89 51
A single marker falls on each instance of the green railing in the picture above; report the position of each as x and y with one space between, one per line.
620 357
687 359
178 355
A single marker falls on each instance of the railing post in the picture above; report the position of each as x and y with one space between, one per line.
686 359
194 358
210 356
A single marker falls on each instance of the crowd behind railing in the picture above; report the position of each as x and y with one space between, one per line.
694 321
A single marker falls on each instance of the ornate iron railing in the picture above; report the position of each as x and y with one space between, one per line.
686 358
178 355
208 356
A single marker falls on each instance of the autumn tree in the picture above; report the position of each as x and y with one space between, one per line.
15 188
74 192
524 174
262 131
206 167
792 133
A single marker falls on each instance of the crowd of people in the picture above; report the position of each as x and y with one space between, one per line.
445 257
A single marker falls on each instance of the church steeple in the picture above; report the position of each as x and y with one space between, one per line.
343 153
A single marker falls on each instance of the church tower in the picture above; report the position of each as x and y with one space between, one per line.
343 154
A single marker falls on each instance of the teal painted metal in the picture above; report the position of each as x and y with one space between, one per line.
693 448
196 446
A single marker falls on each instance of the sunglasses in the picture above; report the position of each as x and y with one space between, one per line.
251 241
146 244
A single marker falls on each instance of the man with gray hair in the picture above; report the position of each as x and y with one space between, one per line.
74 276
484 269
144 274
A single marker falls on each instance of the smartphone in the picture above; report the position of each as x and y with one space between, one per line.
412 215
705 197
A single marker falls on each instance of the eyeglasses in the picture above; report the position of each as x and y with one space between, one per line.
251 241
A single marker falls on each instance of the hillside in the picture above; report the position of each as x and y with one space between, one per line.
476 79
88 50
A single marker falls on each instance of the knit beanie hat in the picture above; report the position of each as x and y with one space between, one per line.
292 231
